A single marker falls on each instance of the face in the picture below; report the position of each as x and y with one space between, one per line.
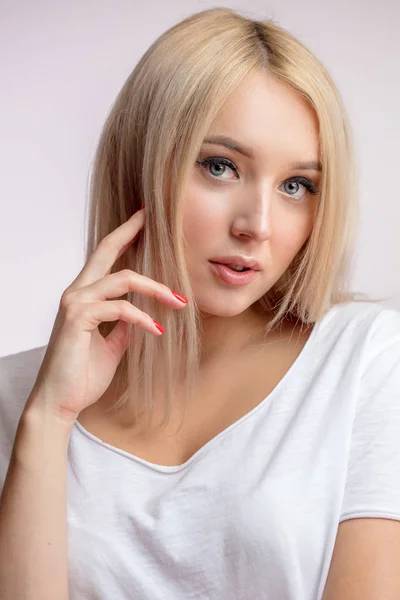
258 206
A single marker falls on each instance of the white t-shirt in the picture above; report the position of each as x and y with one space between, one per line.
255 512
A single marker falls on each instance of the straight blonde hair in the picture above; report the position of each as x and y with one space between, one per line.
149 143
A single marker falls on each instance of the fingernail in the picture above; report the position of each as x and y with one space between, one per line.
180 297
159 327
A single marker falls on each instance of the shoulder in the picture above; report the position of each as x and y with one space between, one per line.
351 338
370 513
367 322
363 311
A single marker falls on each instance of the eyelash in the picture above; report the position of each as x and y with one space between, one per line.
214 160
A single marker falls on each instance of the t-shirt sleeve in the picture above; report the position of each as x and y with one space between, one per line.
372 487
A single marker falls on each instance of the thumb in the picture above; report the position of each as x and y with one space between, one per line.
117 340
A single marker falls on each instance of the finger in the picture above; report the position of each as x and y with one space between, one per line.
110 248
118 340
86 317
120 283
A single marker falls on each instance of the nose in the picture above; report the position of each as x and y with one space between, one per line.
253 217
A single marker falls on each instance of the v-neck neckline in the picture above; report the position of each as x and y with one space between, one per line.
266 401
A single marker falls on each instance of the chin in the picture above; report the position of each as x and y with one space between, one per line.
224 308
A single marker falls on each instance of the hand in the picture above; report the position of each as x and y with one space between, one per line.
80 363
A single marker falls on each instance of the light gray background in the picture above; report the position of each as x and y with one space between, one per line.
61 66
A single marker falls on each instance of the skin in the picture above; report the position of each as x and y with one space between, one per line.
253 216
257 214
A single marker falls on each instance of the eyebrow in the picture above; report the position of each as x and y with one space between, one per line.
223 140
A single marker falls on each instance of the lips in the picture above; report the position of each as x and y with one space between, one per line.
238 261
232 266
229 276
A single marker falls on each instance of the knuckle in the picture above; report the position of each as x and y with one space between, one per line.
107 243
105 240
129 310
124 306
71 312
128 273
160 291
155 289
165 288
66 298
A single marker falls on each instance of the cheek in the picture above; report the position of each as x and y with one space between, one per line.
201 220
192 227
291 236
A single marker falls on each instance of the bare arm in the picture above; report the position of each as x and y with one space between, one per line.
78 367
33 524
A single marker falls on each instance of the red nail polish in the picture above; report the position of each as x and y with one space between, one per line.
159 327
180 297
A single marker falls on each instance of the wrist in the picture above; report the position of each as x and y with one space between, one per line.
38 409
41 439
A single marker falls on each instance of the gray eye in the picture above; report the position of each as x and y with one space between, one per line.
292 184
218 167
222 165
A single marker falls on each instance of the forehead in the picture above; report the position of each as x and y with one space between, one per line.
271 118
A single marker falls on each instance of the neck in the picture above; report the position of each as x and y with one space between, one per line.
222 336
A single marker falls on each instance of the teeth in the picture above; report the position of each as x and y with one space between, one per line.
236 268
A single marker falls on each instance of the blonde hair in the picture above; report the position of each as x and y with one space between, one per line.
149 143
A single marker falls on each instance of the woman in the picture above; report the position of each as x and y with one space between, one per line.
217 456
